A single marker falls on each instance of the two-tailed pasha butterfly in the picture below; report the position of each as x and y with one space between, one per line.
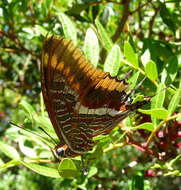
82 101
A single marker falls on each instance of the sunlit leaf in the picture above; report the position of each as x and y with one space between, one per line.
68 27
67 168
151 70
105 39
42 170
174 101
91 47
130 55
112 62
9 151
159 113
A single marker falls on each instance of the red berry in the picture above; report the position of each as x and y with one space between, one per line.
160 134
177 144
149 173
179 133
178 122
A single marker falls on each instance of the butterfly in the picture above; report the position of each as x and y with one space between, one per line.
81 100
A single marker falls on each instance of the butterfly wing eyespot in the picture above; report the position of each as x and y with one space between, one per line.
82 101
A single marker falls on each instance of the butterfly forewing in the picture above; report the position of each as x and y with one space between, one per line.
82 101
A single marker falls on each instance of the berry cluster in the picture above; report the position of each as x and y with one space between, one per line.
165 145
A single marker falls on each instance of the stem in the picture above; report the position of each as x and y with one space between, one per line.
157 128
122 21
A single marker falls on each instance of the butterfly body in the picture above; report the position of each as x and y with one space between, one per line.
82 101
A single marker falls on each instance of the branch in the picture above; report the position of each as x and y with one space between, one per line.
18 43
152 21
122 21
140 7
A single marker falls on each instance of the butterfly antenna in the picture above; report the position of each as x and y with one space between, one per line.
132 91
53 140
159 91
12 123
84 169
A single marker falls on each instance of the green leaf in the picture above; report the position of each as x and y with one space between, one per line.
130 55
9 151
45 123
173 161
174 101
28 108
133 79
67 168
151 70
40 30
112 62
42 170
167 17
104 38
1 162
147 126
175 172
159 113
138 99
178 117
92 171
170 71
68 27
158 100
145 57
137 182
77 8
91 47
10 164
29 152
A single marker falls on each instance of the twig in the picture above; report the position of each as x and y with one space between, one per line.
122 21
140 147
18 43
140 7
152 21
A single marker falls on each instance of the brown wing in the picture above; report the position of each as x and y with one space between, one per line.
82 101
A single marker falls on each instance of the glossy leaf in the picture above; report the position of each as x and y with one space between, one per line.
28 108
158 100
174 101
170 71
9 151
130 55
67 168
151 70
104 38
91 47
159 113
145 57
40 30
42 170
137 183
167 17
29 152
10 164
138 99
68 27
92 171
112 62
147 126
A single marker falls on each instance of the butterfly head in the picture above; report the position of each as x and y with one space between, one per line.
60 152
